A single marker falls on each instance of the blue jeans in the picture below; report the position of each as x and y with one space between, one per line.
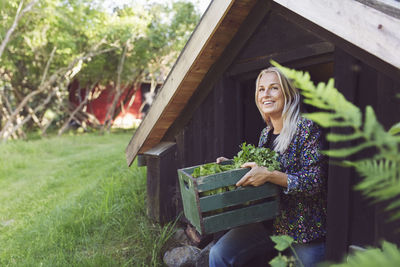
250 245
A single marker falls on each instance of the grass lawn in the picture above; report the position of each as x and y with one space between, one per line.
72 201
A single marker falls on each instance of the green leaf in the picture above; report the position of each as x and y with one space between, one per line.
395 129
389 255
282 241
332 137
345 152
278 261
370 124
326 119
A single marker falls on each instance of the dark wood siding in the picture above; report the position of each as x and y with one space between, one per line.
226 115
353 219
215 129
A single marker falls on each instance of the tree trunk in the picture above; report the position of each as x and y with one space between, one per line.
18 16
48 83
32 113
80 106
111 111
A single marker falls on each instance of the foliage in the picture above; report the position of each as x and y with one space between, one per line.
381 172
71 201
248 153
260 155
211 168
387 256
282 243
58 33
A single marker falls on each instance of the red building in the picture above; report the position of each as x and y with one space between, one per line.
128 112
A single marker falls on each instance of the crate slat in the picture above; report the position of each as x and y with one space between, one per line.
222 179
231 219
190 200
236 197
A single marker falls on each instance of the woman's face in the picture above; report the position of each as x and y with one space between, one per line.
270 96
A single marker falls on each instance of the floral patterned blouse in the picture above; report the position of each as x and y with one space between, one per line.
303 203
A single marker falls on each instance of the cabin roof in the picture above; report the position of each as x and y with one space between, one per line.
371 25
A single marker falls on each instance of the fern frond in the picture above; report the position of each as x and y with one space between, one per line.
324 96
348 151
381 178
326 119
332 137
389 255
395 129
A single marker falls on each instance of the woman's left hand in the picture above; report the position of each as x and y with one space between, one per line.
257 176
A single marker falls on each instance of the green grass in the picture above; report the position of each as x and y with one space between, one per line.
72 201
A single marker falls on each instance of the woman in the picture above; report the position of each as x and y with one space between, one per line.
302 180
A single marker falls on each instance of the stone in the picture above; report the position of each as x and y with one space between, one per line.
184 256
202 258
181 238
178 239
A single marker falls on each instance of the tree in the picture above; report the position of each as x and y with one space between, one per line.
64 40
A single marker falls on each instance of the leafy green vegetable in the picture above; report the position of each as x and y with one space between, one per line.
260 155
279 261
282 242
248 153
211 168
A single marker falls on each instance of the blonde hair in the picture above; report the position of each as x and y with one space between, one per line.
290 113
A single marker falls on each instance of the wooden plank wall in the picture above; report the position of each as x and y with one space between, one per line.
279 39
215 129
352 219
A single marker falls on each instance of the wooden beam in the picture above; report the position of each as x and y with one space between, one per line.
307 51
162 183
374 31
338 41
208 39
389 7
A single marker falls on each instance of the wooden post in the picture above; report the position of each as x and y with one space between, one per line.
163 193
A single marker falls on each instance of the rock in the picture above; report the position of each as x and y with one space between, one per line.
184 256
178 239
202 258
181 237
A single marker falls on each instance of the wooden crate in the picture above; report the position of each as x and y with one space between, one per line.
204 212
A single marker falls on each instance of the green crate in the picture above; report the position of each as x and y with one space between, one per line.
204 212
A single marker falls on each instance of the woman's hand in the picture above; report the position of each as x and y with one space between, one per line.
221 159
259 175
256 176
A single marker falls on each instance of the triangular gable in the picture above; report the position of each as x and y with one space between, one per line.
373 31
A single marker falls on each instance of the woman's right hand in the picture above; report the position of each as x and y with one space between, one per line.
221 159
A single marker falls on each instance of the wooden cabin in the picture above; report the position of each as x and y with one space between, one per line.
205 109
